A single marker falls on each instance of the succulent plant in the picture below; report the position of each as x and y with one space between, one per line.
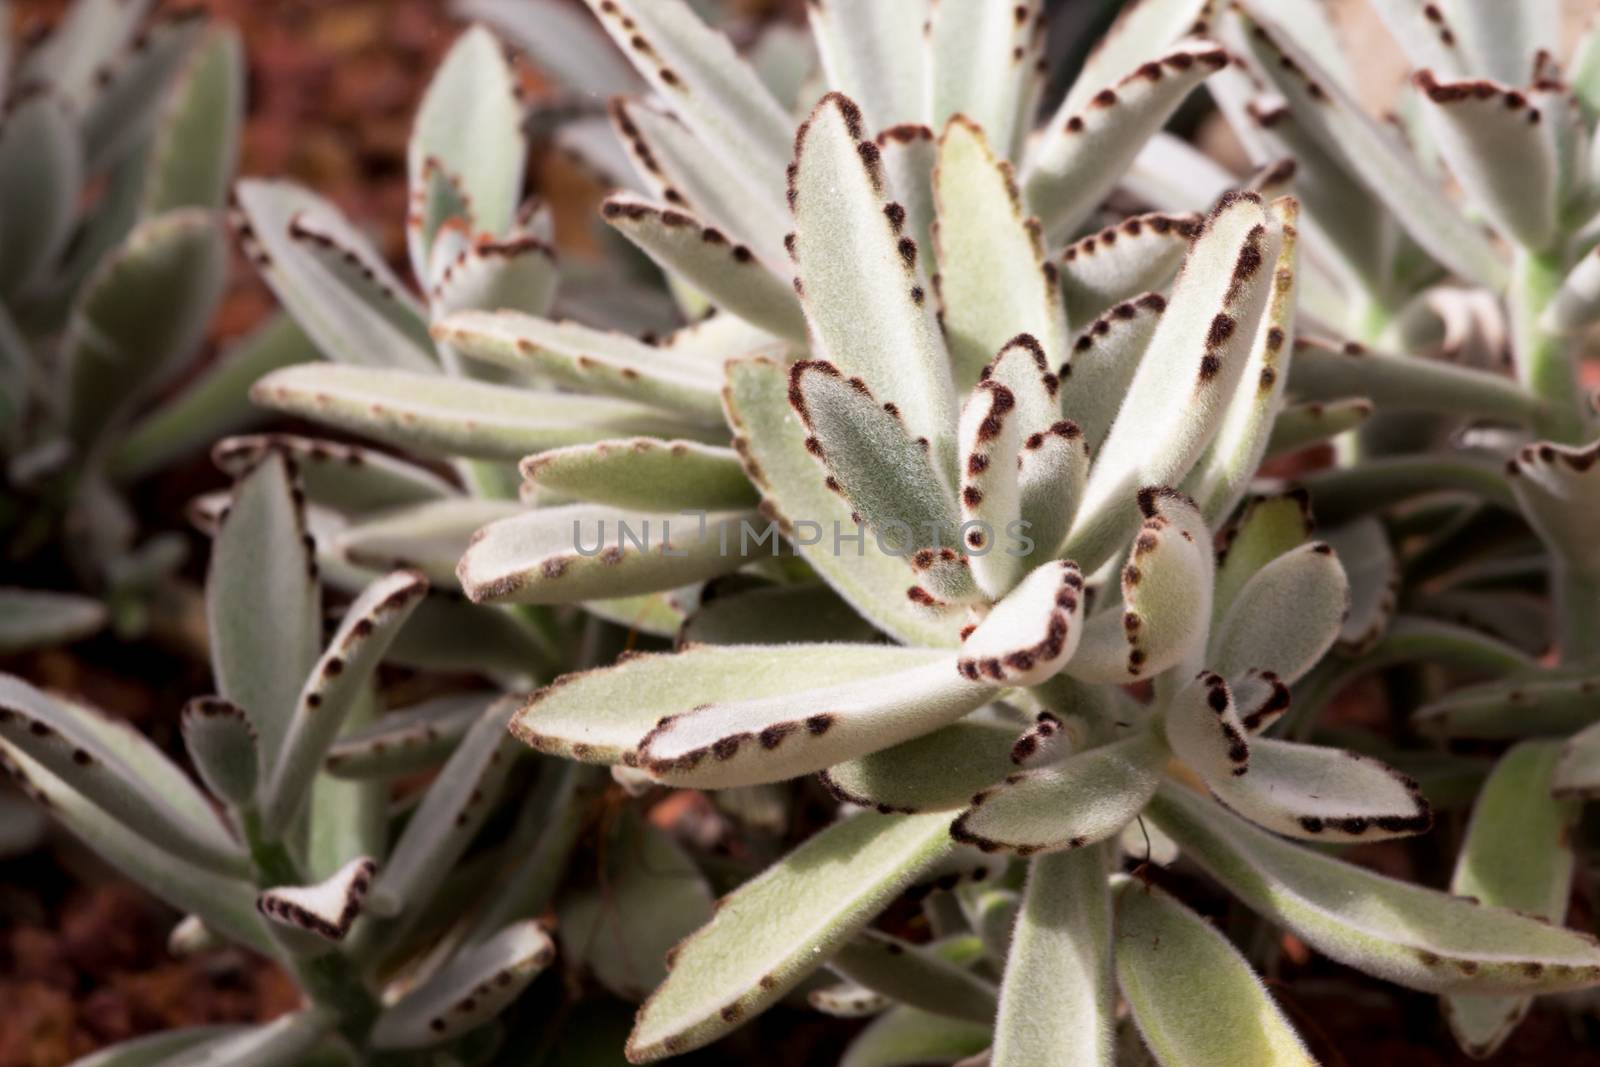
305 864
1502 110
119 139
946 400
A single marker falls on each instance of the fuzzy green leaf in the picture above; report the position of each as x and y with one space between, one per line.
1086 798
1300 426
1137 255
346 478
1517 854
90 35
752 741
437 416
128 92
330 691
41 173
140 315
589 551
742 962
864 293
770 439
471 121
474 987
906 1037
727 274
1105 356
1578 772
938 771
1537 706
1058 1002
987 62
775 615
429 537
1087 144
1417 937
601 716
870 52
1029 635
1285 617
1166 596
34 618
222 742
408 740
1323 794
1577 303
287 1041
1556 488
1196 1001
197 145
994 282
517 274
915 976
1178 398
263 607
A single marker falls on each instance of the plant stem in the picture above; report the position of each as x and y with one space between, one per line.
1544 361
1577 603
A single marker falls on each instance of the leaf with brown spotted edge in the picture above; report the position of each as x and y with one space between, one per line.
600 716
472 988
437 416
1326 370
727 274
1166 597
938 771
1420 938
1285 617
157 803
1555 485
1517 853
599 361
1204 727
988 64
776 929
1103 360
989 435
515 274
1085 798
337 679
325 910
890 479
1374 575
1088 144
1137 255
1539 705
1323 794
222 743
994 279
437 200
1179 396
577 552
1301 426
644 473
428 537
871 52
770 739
859 274
1031 633
348 478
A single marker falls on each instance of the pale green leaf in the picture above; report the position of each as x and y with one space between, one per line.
1374 574
1138 255
439 416
263 607
41 174
994 281
909 152
872 53
1417 937
697 72
1285 617
1178 397
287 1041
197 144
1141 33
743 961
117 119
601 716
775 615
516 274
89 35
1555 486
1196 1001
1203 725
577 552
138 318
987 65
222 743
1517 853
770 439
727 274
408 740
1578 772
35 618
864 293
939 771
1316 422
1577 302
915 976
560 39
1058 1001
1536 706
1323 794
906 1037
325 910
343 477
1087 797
330 691
1030 634
1088 143
471 121
475 986
1105 356
429 537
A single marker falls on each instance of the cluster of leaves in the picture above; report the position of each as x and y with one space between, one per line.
948 495
117 148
